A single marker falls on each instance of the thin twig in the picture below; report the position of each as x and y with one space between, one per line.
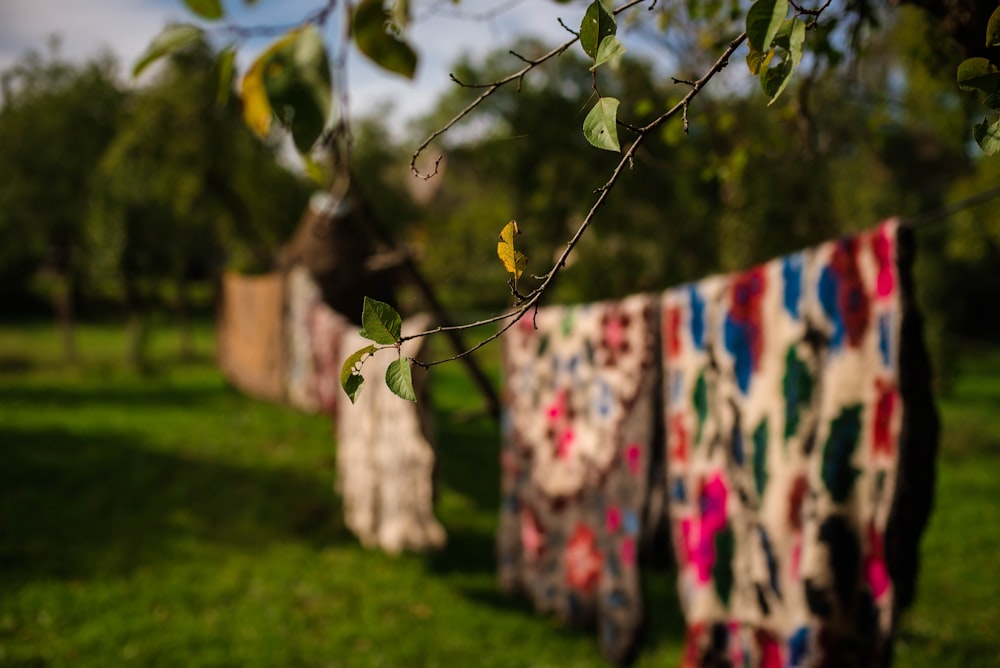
492 337
459 328
531 300
494 87
802 11
317 17
520 57
568 29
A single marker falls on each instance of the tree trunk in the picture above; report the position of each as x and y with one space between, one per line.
135 353
182 306
62 302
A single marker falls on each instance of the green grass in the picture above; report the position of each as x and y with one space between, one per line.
165 520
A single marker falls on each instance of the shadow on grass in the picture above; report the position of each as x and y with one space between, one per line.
78 505
134 395
468 456
13 364
468 552
468 464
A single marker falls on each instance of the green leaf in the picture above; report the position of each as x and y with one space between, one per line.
385 50
401 13
763 21
609 49
350 375
988 136
353 386
206 9
296 77
993 29
774 79
351 363
992 101
597 24
781 38
172 38
600 127
399 379
258 113
796 40
978 74
758 60
380 322
226 66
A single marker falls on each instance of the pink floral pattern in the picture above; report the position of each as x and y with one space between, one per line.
781 502
579 422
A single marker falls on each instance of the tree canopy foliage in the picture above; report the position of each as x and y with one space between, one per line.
732 134
883 135
120 193
56 121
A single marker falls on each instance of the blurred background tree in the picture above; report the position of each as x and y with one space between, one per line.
56 121
161 185
185 190
882 133
113 196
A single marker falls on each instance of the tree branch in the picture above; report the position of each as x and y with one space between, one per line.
532 299
318 16
493 87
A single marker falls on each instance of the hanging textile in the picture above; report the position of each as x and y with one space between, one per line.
579 423
326 331
313 332
302 298
800 443
385 460
250 334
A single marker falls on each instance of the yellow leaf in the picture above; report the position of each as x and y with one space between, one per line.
514 261
257 111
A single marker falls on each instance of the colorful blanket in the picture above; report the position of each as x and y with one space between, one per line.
800 444
579 425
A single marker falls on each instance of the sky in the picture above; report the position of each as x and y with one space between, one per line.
441 32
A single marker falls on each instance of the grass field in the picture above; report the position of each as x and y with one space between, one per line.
165 520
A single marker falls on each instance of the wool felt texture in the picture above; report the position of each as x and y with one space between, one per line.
385 458
801 435
579 425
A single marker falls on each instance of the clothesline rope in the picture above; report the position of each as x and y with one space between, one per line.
944 212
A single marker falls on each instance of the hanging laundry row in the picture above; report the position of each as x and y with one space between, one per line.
385 458
786 410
